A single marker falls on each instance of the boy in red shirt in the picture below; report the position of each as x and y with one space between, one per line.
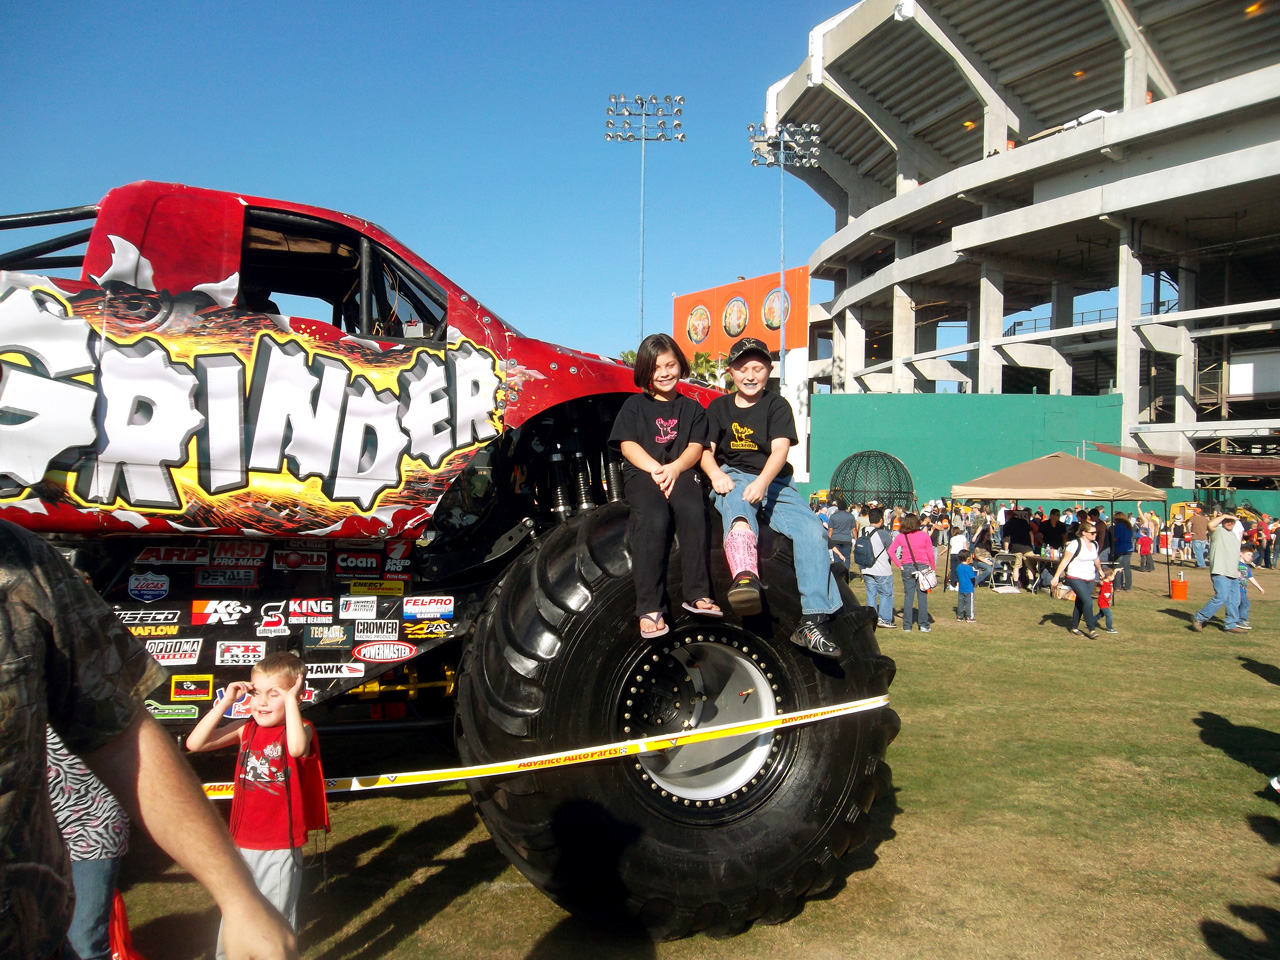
279 785
1106 596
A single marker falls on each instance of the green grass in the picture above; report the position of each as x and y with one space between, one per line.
1054 797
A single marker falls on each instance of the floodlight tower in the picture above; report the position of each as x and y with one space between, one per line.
787 145
651 118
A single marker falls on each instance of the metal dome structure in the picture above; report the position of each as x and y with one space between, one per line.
874 475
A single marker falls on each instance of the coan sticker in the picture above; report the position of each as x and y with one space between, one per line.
149 587
211 612
384 651
377 630
239 653
428 608
175 653
332 637
348 565
132 617
300 561
227 577
169 711
197 687
311 610
357 608
334 671
418 630
376 588
273 622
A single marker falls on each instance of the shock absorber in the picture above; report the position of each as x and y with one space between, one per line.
560 486
582 481
613 471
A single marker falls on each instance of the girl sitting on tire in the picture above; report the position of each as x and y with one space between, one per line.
661 434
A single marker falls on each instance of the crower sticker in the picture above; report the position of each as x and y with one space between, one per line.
175 653
273 622
332 637
334 671
148 587
216 413
428 608
377 630
384 651
239 653
357 608
313 610
168 711
224 612
218 577
197 687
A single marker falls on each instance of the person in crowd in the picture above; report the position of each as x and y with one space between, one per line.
278 795
1104 534
1146 549
95 829
1122 549
967 579
1053 534
1272 528
1002 514
661 435
1017 539
1224 572
1081 569
841 525
1106 598
872 556
959 543
1197 535
981 539
751 432
67 662
983 563
1243 604
1177 539
912 551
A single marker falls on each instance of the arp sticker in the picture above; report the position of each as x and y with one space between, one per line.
311 610
300 561
131 617
384 651
239 653
149 587
334 671
357 608
223 612
273 622
331 637
227 577
194 687
350 564
182 556
427 608
377 630
376 588
169 711
419 630
175 653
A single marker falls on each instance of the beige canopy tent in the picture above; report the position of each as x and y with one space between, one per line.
1059 476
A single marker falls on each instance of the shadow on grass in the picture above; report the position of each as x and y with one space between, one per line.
1231 944
178 936
1252 746
1266 671
1186 616
1059 618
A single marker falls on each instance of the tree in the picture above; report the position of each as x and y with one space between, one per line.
628 357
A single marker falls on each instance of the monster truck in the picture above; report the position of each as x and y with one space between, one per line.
405 491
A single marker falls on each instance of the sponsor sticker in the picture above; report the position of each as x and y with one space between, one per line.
239 653
377 588
131 617
238 710
332 637
334 671
399 560
377 630
384 651
194 687
311 610
225 612
428 608
188 556
227 577
238 553
273 623
152 630
175 653
169 711
349 565
357 608
149 587
419 630
299 561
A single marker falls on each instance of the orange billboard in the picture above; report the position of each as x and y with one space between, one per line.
711 321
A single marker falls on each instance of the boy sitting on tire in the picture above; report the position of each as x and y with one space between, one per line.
750 433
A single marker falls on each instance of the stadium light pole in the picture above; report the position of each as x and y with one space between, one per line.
654 120
787 145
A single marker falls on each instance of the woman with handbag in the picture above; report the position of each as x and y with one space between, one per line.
1083 570
912 553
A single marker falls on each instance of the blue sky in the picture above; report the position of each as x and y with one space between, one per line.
474 133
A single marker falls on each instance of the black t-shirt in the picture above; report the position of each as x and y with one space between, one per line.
744 437
1052 533
1016 530
663 428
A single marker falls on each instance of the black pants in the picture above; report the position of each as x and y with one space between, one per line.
649 538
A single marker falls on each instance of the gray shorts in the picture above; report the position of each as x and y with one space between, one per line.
278 876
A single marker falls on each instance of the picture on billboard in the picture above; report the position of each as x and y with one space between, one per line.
736 315
769 311
698 324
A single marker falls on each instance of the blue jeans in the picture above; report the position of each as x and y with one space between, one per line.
964 606
910 593
1198 549
984 572
1243 603
1226 593
880 595
95 885
1083 590
786 512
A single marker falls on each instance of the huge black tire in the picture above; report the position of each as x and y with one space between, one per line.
729 833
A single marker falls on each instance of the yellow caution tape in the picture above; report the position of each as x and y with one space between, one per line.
567 758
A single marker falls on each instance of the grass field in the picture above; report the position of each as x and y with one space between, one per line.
1055 797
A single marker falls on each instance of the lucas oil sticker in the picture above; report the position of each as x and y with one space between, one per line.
148 587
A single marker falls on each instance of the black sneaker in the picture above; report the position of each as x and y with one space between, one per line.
816 638
744 595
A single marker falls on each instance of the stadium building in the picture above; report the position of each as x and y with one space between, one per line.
1072 201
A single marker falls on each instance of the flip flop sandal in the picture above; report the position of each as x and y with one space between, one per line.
713 611
657 631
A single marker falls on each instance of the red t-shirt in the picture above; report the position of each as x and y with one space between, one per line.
1106 590
273 790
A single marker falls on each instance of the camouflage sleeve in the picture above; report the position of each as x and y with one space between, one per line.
97 675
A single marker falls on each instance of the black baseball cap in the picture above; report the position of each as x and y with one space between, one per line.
749 345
